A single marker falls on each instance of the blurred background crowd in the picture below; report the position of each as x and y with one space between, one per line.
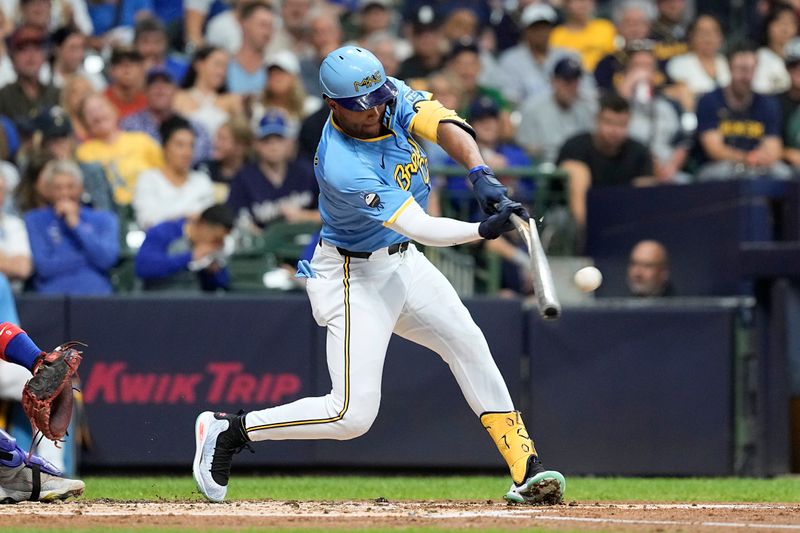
152 145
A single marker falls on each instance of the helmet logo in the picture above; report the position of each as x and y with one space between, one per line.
368 82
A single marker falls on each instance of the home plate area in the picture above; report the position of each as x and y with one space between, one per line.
381 513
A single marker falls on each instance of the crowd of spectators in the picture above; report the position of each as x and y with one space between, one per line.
157 111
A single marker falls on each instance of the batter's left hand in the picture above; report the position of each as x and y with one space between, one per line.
499 223
487 189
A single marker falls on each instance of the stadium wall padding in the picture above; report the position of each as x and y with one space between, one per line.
638 391
644 390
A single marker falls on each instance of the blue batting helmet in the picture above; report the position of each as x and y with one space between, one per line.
355 79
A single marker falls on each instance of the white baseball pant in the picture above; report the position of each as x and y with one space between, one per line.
362 302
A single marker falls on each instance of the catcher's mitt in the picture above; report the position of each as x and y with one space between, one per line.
47 396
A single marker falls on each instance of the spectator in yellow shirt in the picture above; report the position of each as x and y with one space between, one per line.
123 154
591 38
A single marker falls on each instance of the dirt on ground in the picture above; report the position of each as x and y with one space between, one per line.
348 515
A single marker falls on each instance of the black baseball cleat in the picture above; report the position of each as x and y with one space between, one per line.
541 487
218 437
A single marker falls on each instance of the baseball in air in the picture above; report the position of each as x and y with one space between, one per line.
588 279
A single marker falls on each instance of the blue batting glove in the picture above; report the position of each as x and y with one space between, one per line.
304 270
486 188
499 223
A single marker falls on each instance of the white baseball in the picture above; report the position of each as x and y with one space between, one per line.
588 279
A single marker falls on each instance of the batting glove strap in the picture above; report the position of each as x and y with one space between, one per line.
486 188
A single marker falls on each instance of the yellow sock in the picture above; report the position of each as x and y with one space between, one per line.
509 434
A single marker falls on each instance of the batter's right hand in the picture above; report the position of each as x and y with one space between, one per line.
499 223
487 189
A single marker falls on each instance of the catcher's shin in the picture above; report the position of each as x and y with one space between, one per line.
47 396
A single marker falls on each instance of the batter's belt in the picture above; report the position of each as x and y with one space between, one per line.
391 250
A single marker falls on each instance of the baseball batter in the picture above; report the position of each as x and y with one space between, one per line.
366 280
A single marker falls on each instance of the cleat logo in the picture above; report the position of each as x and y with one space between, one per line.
202 430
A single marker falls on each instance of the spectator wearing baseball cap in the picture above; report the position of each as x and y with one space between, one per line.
127 75
160 93
54 137
484 115
524 70
551 118
790 104
27 96
284 89
274 186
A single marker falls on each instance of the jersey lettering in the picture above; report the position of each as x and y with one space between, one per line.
741 128
418 164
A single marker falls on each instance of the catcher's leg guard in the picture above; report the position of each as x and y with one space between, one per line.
30 479
12 456
531 482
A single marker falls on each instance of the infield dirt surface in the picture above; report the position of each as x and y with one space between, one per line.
348 515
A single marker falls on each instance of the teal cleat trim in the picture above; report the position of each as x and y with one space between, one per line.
545 488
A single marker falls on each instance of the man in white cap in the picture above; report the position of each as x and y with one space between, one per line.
524 70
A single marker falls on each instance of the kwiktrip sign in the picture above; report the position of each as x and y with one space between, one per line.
120 382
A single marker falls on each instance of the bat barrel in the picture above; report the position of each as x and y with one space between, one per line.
543 285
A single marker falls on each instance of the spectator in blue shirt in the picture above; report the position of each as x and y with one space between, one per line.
740 130
186 253
73 247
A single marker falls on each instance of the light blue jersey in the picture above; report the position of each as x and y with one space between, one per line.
366 183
